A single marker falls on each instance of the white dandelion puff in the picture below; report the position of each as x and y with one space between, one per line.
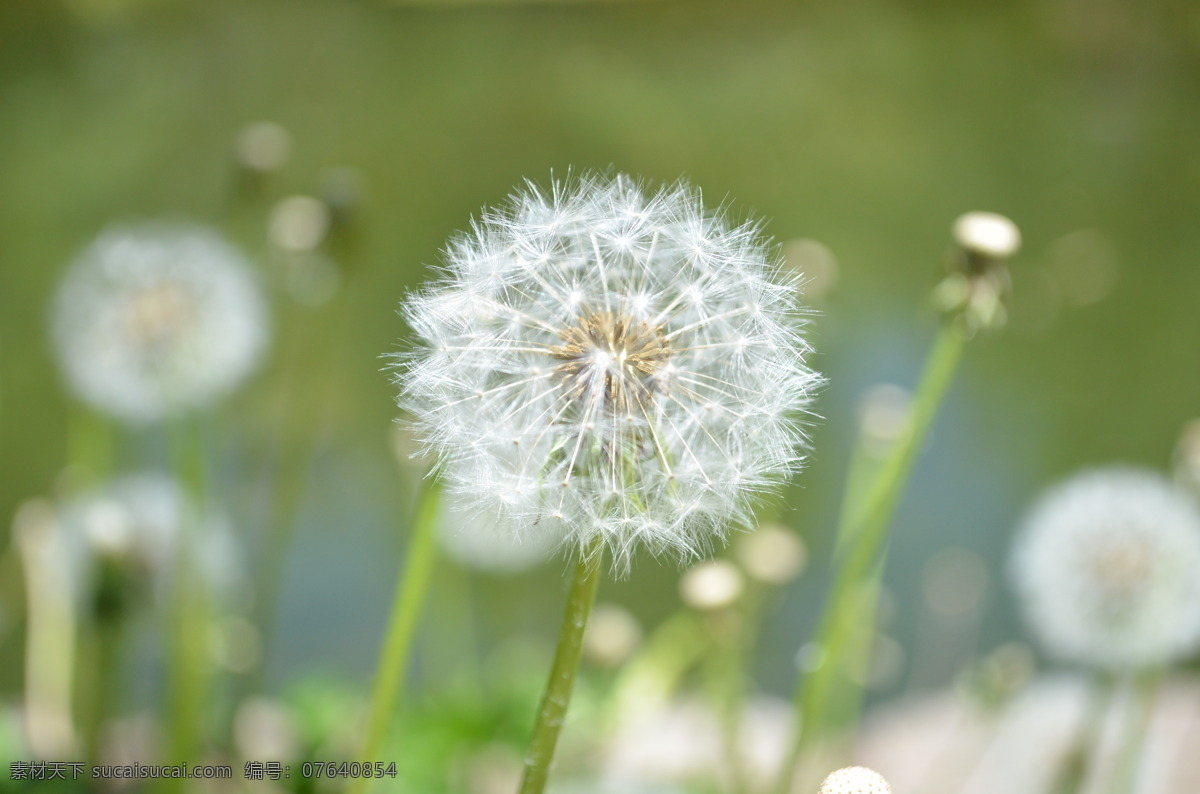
1108 570
157 319
136 525
610 364
855 780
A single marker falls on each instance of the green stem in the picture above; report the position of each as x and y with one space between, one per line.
553 709
298 412
1086 751
104 682
735 633
91 446
1141 708
189 624
407 606
863 531
654 673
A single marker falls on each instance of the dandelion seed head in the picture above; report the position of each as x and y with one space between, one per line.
136 523
157 319
613 363
855 780
1107 567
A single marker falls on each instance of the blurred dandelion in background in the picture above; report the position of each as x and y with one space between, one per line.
157 319
624 366
1107 567
485 547
134 528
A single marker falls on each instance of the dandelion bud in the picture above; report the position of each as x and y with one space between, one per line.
298 224
987 235
976 291
612 635
263 147
618 366
342 190
711 585
855 780
772 554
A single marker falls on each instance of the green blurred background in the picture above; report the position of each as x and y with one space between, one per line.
862 124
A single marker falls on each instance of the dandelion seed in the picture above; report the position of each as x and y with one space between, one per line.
158 319
263 146
610 364
1108 570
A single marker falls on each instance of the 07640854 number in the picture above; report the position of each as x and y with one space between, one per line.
347 769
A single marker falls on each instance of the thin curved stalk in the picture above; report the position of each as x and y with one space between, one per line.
553 709
862 533
407 606
189 609
1142 695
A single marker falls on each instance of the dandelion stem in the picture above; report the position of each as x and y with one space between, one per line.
736 635
188 628
411 589
300 423
861 534
1144 690
1085 754
650 678
104 679
553 709
90 446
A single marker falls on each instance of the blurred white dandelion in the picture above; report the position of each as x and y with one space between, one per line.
613 364
681 742
1108 570
135 525
485 547
157 319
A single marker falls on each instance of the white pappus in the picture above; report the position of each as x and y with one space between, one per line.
1108 570
156 319
610 364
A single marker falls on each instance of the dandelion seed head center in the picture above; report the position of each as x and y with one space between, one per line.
614 351
1123 567
158 314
